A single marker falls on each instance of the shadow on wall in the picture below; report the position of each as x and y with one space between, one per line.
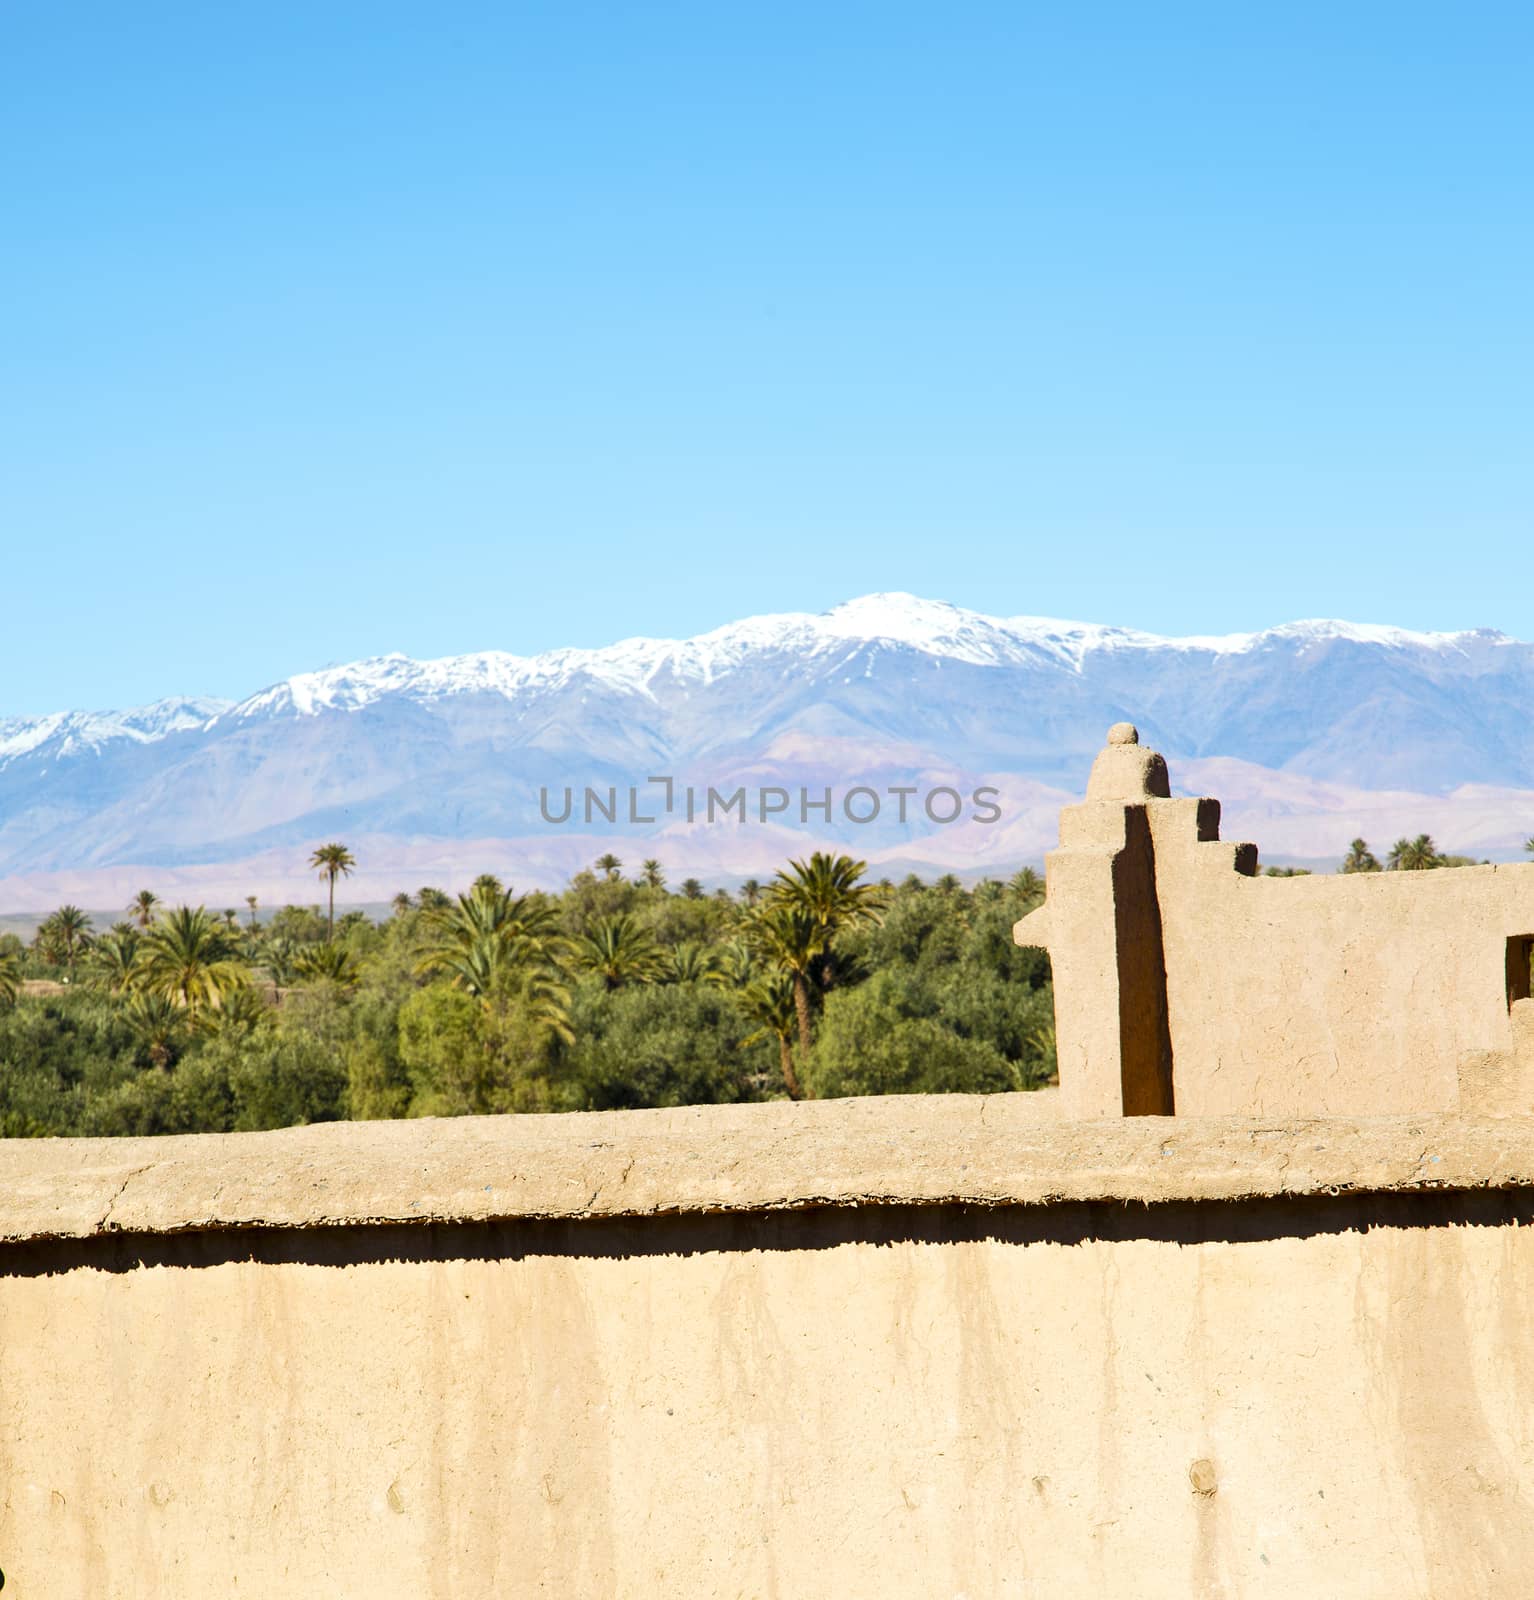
1183 1222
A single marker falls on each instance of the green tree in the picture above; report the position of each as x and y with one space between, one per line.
506 951
112 961
141 908
463 1057
10 977
690 962
1414 855
522 929
1027 884
826 888
618 950
735 964
280 955
662 1045
651 876
72 929
333 861
289 1070
692 889
875 1039
300 924
1360 858
769 1002
329 963
610 866
187 959
158 1027
790 939
251 903
240 1011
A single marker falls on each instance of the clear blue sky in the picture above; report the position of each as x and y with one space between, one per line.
333 329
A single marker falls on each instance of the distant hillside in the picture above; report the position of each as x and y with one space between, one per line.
431 770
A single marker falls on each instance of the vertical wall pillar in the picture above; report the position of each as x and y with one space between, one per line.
1102 927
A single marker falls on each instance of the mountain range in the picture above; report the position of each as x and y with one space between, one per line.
431 770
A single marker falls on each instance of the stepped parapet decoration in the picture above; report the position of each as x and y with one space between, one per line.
1186 984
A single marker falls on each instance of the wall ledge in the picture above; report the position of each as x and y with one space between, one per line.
978 1150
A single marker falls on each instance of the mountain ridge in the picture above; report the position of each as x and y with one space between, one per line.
1317 724
892 615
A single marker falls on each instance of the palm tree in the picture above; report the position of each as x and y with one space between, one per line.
402 903
231 918
1414 855
793 941
826 888
329 963
141 907
10 978
156 1025
497 913
240 1011
501 945
651 876
280 956
1360 858
488 882
187 959
333 861
113 959
250 900
619 951
509 931
490 969
72 927
769 1002
1425 854
735 967
609 864
429 899
692 889
692 962
1026 884
751 891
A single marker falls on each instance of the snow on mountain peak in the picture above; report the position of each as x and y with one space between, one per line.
70 732
634 666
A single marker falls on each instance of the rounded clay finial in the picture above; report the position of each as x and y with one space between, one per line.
1123 733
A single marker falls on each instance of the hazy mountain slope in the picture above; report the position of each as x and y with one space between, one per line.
876 691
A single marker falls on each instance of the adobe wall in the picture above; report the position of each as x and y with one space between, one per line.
906 1347
1186 983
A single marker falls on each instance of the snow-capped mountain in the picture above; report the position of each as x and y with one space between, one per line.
73 732
1316 730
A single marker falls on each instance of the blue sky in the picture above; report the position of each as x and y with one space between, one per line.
331 330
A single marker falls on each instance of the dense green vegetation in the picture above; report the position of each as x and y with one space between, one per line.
617 992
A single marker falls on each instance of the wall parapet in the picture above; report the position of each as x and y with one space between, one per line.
998 1150
1186 983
